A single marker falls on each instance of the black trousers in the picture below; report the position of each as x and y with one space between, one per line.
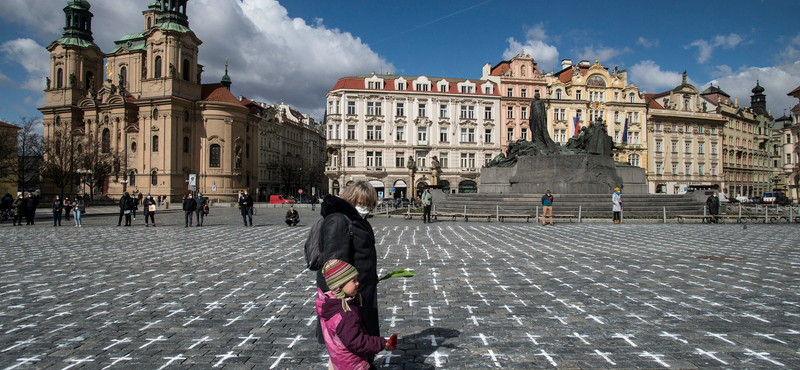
616 215
29 216
18 217
200 215
128 219
57 218
426 213
121 214
187 215
152 216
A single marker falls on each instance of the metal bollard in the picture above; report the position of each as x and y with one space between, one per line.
766 214
665 214
537 213
580 208
497 213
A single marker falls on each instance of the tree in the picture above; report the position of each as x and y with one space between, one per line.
62 157
30 149
289 170
99 159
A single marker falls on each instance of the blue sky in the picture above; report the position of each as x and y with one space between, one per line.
294 52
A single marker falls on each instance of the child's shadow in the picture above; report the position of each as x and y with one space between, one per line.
419 349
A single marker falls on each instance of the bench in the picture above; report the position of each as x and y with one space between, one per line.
563 215
526 217
410 215
478 215
708 219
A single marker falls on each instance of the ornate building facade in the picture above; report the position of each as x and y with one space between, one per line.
151 108
745 147
520 80
793 182
406 132
585 92
686 138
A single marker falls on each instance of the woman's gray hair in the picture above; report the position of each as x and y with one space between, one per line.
361 193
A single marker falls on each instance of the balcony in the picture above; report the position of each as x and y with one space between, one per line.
376 171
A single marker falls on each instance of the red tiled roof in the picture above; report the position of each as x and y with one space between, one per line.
500 68
651 101
8 125
218 93
795 91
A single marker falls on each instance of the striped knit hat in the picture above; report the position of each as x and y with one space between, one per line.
338 273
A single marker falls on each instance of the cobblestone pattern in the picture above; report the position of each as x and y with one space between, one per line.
512 296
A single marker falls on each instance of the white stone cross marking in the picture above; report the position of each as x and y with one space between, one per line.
78 362
437 358
533 338
278 359
710 354
548 357
149 324
224 357
595 318
604 355
655 357
720 337
247 338
193 319
62 326
433 339
171 360
475 319
393 321
581 337
19 343
388 356
625 337
673 337
160 338
295 340
394 309
233 320
117 341
118 359
23 361
762 356
269 320
494 357
199 341
469 308
483 338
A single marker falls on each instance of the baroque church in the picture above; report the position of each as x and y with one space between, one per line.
147 104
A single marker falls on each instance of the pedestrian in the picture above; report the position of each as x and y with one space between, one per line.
78 206
713 207
67 207
314 202
353 242
189 205
617 206
57 207
20 206
128 210
547 207
122 202
349 344
136 202
202 205
427 204
246 206
292 217
30 212
149 205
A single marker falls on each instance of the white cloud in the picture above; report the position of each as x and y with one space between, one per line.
792 51
648 76
776 81
602 54
705 48
33 57
647 43
272 56
545 55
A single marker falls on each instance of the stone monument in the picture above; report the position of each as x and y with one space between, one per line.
583 166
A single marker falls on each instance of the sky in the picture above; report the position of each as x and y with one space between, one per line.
294 51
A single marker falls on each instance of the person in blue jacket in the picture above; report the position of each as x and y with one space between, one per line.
547 203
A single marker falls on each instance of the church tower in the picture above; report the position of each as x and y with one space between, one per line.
76 68
758 101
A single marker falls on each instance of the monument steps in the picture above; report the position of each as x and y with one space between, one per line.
590 205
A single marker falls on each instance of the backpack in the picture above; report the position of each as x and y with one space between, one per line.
313 246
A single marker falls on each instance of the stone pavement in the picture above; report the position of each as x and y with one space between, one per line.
487 295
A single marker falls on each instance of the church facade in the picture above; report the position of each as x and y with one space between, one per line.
145 102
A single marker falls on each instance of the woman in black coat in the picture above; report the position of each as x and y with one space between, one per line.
354 204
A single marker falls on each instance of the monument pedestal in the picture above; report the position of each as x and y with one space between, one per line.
561 174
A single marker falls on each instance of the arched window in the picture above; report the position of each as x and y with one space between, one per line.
633 160
186 69
149 22
132 178
80 149
632 98
123 76
213 155
157 67
89 78
105 146
155 143
467 186
558 93
185 144
153 178
522 71
60 78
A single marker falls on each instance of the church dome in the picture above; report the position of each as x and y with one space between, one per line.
79 4
226 78
758 89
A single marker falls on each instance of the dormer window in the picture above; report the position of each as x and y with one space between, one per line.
375 85
466 89
421 87
443 87
401 86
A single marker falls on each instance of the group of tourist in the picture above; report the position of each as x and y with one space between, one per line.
76 206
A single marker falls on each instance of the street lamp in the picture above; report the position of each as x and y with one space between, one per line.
86 176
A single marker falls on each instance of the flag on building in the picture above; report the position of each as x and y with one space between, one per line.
577 122
625 132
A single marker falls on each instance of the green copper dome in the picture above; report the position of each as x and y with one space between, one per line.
226 78
79 3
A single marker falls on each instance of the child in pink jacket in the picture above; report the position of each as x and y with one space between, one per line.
349 345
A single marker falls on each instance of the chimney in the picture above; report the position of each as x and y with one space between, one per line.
566 63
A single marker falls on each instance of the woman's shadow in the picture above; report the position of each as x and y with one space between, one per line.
418 349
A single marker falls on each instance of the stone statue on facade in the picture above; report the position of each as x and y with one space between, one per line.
48 83
411 165
72 80
435 163
171 70
238 158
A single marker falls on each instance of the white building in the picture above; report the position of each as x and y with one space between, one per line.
403 132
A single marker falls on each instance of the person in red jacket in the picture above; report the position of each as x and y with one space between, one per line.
343 325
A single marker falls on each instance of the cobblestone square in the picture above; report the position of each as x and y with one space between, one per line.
487 295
